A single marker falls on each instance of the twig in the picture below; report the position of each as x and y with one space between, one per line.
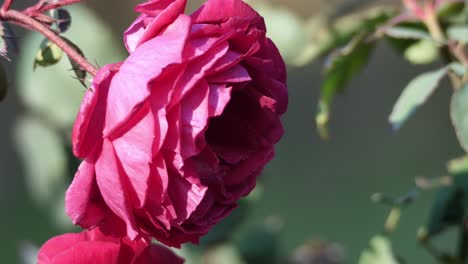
25 21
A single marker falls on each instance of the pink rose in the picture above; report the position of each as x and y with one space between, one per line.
94 247
176 134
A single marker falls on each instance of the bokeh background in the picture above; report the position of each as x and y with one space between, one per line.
319 189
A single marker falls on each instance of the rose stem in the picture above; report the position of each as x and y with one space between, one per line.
25 21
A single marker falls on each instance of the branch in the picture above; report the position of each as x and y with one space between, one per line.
25 21
6 5
42 6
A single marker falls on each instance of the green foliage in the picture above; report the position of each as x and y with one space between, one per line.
459 114
447 210
48 54
260 246
422 52
458 33
343 64
58 98
414 95
79 73
379 251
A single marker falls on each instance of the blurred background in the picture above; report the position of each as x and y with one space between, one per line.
317 190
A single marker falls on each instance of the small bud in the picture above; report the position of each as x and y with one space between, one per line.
48 54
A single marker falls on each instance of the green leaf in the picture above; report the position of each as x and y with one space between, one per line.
342 65
414 95
259 246
459 114
79 72
422 52
447 210
53 92
225 253
458 33
379 251
48 54
43 157
458 166
407 33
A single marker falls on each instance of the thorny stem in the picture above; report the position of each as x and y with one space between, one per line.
41 6
6 4
25 21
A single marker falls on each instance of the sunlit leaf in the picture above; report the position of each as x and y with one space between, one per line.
226 254
48 54
53 92
459 114
422 52
407 33
458 166
43 157
458 33
379 252
414 95
28 253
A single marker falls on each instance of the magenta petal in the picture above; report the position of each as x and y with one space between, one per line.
56 245
129 87
95 252
87 130
114 192
219 11
134 149
235 74
79 203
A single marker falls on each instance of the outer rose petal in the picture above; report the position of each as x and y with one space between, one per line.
79 202
219 11
156 15
87 130
93 246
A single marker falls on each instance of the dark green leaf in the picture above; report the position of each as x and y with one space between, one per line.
448 11
79 72
459 114
49 54
414 95
341 67
63 18
259 246
447 210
